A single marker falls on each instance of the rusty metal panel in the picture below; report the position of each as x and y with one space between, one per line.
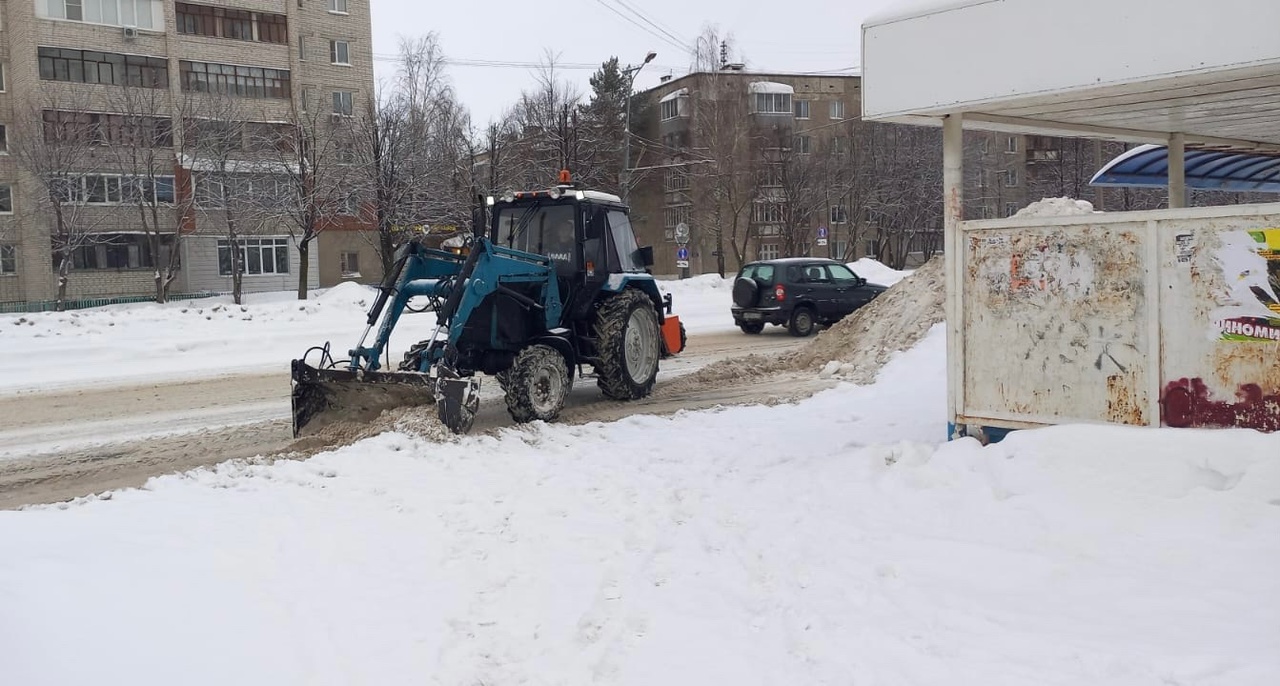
1057 322
1220 321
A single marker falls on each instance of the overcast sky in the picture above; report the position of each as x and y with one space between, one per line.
791 35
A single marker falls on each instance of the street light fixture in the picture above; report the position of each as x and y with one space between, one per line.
625 178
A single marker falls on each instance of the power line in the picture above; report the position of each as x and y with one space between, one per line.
642 27
654 24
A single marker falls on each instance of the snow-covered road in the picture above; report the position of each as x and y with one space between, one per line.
830 541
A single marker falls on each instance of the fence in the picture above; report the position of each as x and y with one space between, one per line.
52 305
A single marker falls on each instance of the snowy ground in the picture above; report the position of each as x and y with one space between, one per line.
831 541
878 272
198 338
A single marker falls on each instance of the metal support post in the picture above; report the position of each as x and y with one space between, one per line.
953 215
1177 170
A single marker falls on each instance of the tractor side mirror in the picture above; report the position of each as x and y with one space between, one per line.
646 255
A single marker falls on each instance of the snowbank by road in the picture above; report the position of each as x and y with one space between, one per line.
198 338
829 541
876 271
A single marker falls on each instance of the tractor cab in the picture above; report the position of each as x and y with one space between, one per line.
587 234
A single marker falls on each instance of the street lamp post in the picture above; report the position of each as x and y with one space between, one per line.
625 178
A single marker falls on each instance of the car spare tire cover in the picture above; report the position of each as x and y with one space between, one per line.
745 292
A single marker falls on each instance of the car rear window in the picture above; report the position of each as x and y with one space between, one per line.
759 272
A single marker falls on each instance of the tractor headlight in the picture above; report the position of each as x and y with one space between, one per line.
508 195
555 193
579 195
488 201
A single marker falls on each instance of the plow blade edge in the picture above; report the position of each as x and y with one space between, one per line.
324 396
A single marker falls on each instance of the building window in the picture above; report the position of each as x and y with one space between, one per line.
673 107
4 139
349 263
257 256
117 251
675 216
218 22
229 79
677 179
87 66
339 52
768 251
342 103
8 259
302 48
840 145
802 145
338 6
1010 209
1011 144
139 13
2 86
212 193
773 103
837 109
6 198
1011 178
766 213
838 214
107 129
984 146
308 98
118 189
772 176
802 109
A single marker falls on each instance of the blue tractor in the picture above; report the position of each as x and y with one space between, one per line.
552 285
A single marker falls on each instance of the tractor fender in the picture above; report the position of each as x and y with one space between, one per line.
645 283
559 339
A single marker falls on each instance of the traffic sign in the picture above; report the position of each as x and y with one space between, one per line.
682 233
822 232
682 264
822 242
682 254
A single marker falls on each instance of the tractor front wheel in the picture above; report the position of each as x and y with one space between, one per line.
537 384
629 344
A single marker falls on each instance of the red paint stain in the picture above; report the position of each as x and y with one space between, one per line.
1188 403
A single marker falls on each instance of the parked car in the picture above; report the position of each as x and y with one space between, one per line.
799 293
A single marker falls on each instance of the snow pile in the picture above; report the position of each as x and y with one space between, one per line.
832 541
1057 207
858 345
877 272
702 302
196 338
865 340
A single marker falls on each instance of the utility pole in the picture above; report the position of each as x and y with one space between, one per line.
624 179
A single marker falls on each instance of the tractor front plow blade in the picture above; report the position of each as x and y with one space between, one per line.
324 396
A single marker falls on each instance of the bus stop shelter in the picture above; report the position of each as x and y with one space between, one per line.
1153 318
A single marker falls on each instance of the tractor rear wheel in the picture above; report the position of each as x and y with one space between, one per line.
537 384
629 345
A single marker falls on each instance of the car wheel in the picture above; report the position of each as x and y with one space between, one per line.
802 322
751 327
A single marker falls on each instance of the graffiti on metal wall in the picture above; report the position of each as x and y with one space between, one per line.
1250 262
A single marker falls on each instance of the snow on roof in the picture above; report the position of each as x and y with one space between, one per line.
769 87
602 196
907 9
674 94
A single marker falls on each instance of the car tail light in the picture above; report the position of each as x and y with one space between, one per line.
780 292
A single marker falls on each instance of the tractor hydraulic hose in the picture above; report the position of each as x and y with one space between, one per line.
450 307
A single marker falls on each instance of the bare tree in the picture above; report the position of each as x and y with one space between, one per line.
141 141
725 189
907 161
413 152
55 147
236 192
315 155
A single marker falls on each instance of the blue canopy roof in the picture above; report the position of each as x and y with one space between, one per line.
1148 165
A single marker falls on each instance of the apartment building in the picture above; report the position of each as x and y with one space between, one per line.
67 63
796 139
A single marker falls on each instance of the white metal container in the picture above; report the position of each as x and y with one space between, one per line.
1169 317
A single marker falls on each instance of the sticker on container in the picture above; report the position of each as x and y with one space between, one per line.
1250 262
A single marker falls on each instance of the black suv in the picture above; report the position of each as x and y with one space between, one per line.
798 292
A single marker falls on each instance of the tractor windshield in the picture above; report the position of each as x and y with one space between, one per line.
544 229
